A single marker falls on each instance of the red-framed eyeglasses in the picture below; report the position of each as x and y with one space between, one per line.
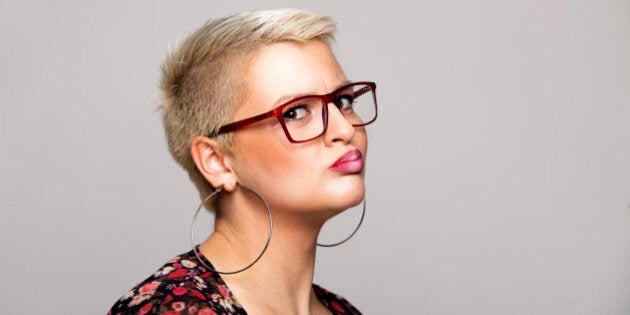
306 117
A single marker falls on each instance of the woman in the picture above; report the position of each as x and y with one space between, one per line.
270 130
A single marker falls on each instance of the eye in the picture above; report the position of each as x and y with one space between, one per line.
344 102
296 112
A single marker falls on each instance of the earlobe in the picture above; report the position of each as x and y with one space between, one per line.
210 159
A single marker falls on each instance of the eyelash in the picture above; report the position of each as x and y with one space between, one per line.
292 109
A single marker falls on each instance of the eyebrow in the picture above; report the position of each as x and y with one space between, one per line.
288 97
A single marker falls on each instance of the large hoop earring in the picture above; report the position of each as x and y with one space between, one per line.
192 231
351 235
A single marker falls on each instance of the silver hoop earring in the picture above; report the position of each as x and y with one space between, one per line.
351 235
192 231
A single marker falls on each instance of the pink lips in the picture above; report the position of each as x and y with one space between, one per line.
351 162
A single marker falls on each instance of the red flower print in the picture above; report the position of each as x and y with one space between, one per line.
145 309
205 275
197 294
171 313
179 291
179 306
337 307
178 273
206 311
223 290
149 287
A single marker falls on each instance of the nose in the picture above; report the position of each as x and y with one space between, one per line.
339 128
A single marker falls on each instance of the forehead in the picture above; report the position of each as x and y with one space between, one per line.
282 71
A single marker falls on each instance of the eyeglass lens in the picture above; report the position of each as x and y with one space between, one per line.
304 118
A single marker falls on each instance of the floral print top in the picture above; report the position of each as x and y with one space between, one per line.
184 286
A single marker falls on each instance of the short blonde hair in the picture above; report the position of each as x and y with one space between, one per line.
201 84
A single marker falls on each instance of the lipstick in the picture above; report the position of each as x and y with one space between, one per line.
349 163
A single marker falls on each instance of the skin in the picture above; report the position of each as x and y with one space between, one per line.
295 179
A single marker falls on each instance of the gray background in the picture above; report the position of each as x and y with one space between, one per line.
499 168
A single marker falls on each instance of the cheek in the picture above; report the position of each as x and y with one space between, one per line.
269 160
284 176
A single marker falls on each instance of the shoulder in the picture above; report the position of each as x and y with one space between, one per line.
181 286
334 302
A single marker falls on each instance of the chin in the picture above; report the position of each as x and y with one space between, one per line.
342 197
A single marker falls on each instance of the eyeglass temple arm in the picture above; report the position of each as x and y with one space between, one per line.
362 91
238 124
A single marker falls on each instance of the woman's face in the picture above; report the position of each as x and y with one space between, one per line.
297 176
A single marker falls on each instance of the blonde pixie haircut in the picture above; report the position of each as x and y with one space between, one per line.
202 84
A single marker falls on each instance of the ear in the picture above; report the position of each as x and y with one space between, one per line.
212 163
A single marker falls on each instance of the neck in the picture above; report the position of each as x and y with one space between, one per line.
281 281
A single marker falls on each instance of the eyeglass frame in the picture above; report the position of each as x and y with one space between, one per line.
326 99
